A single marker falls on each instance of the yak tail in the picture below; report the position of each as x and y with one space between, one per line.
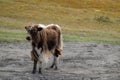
60 40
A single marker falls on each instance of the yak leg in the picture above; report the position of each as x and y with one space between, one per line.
53 63
40 59
40 68
34 67
40 62
55 60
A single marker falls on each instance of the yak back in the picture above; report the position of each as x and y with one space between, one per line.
48 39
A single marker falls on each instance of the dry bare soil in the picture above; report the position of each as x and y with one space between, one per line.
80 61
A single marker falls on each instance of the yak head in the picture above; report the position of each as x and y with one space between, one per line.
32 32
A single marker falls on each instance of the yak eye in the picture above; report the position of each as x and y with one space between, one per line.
33 31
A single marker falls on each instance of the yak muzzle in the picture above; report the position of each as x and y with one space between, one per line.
28 38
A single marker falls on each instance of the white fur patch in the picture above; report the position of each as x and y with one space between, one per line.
40 54
42 26
57 26
49 25
29 28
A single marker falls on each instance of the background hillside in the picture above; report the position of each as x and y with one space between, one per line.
81 20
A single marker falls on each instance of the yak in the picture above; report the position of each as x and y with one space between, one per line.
45 40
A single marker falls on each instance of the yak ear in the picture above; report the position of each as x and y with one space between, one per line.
39 28
26 27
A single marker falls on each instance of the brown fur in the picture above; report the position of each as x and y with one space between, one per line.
49 38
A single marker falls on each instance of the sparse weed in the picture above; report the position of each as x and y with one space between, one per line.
103 19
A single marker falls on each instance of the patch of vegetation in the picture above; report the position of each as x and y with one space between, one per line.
11 35
91 39
104 19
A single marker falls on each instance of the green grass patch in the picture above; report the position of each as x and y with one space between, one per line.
11 35
8 35
77 38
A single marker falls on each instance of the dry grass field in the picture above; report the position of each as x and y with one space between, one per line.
81 20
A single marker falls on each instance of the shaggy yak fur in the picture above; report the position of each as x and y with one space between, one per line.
45 40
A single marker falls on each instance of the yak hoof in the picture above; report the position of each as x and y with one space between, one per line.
51 66
56 68
40 72
33 72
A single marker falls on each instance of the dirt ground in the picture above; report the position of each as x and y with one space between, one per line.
80 61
